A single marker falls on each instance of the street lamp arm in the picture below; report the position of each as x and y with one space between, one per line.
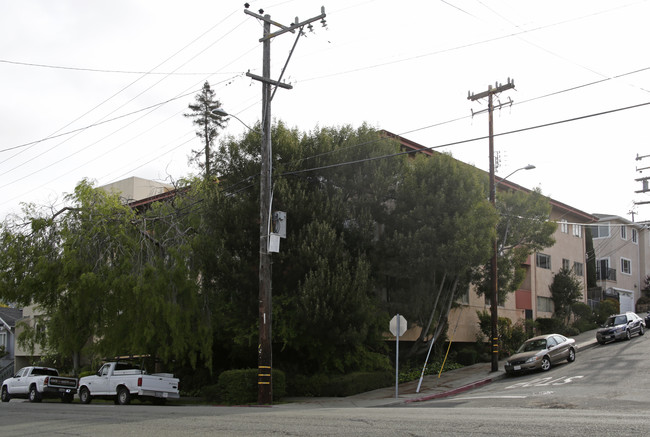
222 113
528 167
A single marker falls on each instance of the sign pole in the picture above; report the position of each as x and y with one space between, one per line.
397 360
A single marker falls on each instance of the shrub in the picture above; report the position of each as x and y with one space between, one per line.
339 385
510 336
211 393
605 309
549 325
240 386
357 382
467 356
585 318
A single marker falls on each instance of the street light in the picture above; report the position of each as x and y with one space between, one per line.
494 280
528 167
222 113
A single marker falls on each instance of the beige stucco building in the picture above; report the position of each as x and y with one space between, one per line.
533 299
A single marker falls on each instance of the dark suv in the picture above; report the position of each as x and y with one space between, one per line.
620 326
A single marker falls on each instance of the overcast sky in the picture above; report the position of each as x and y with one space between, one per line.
97 89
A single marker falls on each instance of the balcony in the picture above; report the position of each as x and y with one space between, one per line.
605 274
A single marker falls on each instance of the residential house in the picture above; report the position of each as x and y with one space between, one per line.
8 318
620 267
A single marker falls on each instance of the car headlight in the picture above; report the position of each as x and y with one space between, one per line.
532 359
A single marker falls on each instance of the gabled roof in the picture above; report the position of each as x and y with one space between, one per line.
8 316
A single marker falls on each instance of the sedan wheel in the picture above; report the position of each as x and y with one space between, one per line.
641 330
546 363
628 335
572 356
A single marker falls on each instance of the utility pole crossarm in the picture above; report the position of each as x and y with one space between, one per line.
491 91
269 81
283 28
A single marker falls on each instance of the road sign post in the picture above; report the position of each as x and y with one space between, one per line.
397 327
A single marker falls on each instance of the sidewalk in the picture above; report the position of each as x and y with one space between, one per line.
450 383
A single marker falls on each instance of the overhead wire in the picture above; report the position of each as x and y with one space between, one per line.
519 102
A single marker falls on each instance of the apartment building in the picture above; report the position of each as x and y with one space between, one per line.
621 267
533 299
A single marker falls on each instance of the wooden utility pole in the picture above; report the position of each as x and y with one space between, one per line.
494 300
265 350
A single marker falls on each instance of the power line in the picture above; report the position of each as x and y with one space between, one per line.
455 143
102 70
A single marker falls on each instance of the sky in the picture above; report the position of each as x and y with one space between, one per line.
98 89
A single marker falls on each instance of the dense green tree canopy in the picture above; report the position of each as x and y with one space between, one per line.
370 231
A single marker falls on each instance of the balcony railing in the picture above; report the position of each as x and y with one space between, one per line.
605 274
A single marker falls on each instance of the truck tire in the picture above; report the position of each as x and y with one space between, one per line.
34 395
123 396
6 397
84 395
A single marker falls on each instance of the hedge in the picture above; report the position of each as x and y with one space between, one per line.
240 386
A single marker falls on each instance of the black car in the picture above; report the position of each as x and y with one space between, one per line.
620 326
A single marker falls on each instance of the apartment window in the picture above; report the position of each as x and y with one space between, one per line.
635 236
624 232
626 266
566 264
577 230
600 231
3 340
543 261
544 304
564 226
578 269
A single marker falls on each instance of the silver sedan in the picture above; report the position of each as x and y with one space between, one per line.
541 352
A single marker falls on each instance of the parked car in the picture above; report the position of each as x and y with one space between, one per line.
647 319
541 352
619 327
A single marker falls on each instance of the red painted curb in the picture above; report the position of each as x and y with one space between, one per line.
451 392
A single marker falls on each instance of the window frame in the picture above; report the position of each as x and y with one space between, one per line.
547 261
625 261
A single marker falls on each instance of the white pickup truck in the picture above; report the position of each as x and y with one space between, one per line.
36 383
122 381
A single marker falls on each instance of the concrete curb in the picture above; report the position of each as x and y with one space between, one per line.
583 346
455 390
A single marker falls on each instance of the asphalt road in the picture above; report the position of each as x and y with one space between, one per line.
604 392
